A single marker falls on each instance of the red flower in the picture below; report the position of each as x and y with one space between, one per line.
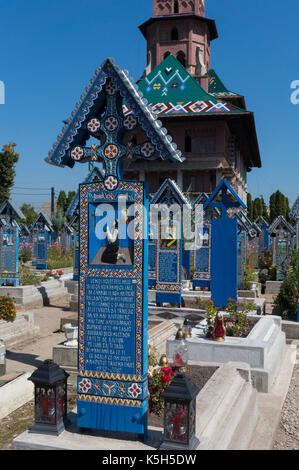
165 379
167 370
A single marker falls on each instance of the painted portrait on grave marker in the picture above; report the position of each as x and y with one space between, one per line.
111 235
168 237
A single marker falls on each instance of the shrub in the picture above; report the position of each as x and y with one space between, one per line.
8 309
29 278
265 260
25 252
288 295
249 276
57 258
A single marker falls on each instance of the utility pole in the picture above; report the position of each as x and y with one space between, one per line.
52 201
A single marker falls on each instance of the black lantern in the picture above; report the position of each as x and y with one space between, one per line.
180 415
50 393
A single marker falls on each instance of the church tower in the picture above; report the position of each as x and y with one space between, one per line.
179 27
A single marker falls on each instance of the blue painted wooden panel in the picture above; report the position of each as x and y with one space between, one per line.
224 261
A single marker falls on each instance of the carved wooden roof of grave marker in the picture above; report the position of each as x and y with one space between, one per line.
210 211
169 193
280 222
42 222
99 115
261 222
249 227
11 210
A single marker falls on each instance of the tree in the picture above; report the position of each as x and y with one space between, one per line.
279 205
29 213
62 201
8 159
58 219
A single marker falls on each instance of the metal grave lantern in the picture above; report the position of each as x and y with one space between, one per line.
50 398
180 415
113 251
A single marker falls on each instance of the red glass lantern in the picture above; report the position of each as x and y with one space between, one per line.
50 393
180 415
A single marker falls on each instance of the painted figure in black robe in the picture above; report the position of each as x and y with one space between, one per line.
111 253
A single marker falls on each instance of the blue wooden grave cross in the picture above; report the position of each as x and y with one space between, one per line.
9 243
113 278
224 250
295 215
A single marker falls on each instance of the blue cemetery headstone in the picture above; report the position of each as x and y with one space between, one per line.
224 239
152 255
24 235
40 229
113 282
246 234
255 243
282 235
66 238
202 252
295 216
169 245
264 237
9 244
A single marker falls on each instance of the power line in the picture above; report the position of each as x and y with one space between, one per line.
33 189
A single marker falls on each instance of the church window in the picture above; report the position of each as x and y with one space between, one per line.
174 34
181 57
176 6
188 143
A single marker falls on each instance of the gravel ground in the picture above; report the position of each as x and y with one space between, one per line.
287 436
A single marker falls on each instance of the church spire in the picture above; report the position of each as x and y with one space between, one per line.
180 28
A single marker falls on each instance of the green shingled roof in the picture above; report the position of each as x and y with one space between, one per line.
171 90
217 87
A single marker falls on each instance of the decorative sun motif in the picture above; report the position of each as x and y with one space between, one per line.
130 122
77 153
135 390
93 125
111 151
111 182
111 123
147 149
111 89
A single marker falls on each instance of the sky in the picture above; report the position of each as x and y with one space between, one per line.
49 50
